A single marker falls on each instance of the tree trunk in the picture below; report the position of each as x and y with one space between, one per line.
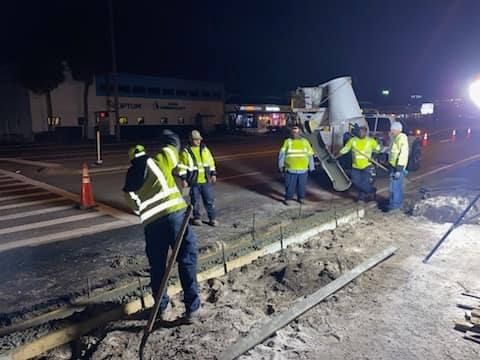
48 98
86 88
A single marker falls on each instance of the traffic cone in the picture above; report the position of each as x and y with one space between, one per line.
454 135
86 193
469 133
425 139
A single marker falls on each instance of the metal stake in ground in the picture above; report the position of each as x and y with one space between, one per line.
253 232
163 285
456 224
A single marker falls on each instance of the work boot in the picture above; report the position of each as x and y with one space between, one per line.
213 223
192 318
301 201
392 212
197 222
287 202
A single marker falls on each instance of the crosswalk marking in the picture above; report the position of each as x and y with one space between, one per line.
9 186
16 197
30 203
19 215
17 188
64 235
42 224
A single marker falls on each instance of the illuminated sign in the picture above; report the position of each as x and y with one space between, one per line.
272 108
427 109
250 108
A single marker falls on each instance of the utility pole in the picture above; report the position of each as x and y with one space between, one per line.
114 71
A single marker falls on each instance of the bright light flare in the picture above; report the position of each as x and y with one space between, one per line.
474 92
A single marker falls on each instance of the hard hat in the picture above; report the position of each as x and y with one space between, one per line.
397 126
136 151
195 135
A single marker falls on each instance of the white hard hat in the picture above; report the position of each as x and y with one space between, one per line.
397 126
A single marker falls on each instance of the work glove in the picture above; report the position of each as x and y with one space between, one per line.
213 179
396 175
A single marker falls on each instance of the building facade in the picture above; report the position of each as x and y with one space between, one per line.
144 101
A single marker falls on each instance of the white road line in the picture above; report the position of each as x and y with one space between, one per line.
30 203
9 186
20 188
29 162
4 181
15 197
19 215
65 235
116 213
438 169
47 223
240 175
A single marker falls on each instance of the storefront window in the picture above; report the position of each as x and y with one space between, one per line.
123 120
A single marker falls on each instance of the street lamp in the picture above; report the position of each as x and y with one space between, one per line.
474 92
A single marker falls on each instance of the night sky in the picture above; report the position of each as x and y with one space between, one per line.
431 47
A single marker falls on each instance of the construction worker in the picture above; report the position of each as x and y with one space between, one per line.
295 160
197 170
152 193
363 172
398 160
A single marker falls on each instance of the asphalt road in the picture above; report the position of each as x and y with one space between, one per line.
39 272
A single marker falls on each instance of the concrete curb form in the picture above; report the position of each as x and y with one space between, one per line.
72 332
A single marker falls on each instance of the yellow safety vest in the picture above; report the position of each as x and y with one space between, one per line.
399 151
202 163
366 146
297 154
159 194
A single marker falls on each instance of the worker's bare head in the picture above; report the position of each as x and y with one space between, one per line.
396 128
362 132
295 131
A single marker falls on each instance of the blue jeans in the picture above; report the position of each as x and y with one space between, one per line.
203 192
396 191
160 236
362 180
295 183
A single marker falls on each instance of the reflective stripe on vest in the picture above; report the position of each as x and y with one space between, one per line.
171 155
163 194
161 207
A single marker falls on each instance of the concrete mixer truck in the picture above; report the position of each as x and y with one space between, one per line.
328 114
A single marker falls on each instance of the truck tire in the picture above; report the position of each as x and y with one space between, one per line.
415 157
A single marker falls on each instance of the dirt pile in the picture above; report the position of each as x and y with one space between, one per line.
232 304
444 208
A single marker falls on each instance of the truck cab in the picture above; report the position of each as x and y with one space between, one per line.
379 126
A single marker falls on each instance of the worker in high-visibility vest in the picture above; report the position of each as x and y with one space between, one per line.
363 172
197 170
151 191
295 160
398 161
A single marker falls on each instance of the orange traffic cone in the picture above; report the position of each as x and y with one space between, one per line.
454 135
425 139
86 193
